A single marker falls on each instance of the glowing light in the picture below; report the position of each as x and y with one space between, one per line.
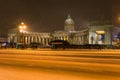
21 31
22 27
22 23
100 32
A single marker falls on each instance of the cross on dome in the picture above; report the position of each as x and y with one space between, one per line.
69 16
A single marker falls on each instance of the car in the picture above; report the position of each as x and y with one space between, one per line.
35 45
21 46
55 44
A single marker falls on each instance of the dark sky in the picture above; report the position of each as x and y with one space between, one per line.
49 15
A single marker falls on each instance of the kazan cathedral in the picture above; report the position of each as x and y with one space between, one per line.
100 34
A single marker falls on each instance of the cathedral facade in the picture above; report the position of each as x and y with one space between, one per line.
102 34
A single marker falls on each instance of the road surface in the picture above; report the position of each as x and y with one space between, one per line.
45 64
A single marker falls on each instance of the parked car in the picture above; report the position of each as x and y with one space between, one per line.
21 46
35 45
59 44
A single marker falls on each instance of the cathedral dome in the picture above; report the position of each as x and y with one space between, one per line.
69 24
69 20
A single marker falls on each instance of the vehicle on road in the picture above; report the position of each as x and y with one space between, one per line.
55 44
35 45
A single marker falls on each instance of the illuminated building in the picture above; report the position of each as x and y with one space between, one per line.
28 37
95 34
100 34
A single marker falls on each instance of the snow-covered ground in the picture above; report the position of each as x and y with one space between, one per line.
59 65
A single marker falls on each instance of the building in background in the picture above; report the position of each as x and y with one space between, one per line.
93 34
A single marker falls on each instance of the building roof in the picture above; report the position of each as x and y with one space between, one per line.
69 20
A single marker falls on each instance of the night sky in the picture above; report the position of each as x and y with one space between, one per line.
50 15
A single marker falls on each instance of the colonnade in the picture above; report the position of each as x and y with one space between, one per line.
61 38
43 38
78 39
31 39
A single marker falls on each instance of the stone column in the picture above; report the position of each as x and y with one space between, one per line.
28 39
39 39
108 36
9 39
23 39
79 40
47 41
43 41
32 38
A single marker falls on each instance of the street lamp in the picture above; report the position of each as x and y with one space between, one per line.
22 28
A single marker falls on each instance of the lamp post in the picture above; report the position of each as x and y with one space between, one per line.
22 28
